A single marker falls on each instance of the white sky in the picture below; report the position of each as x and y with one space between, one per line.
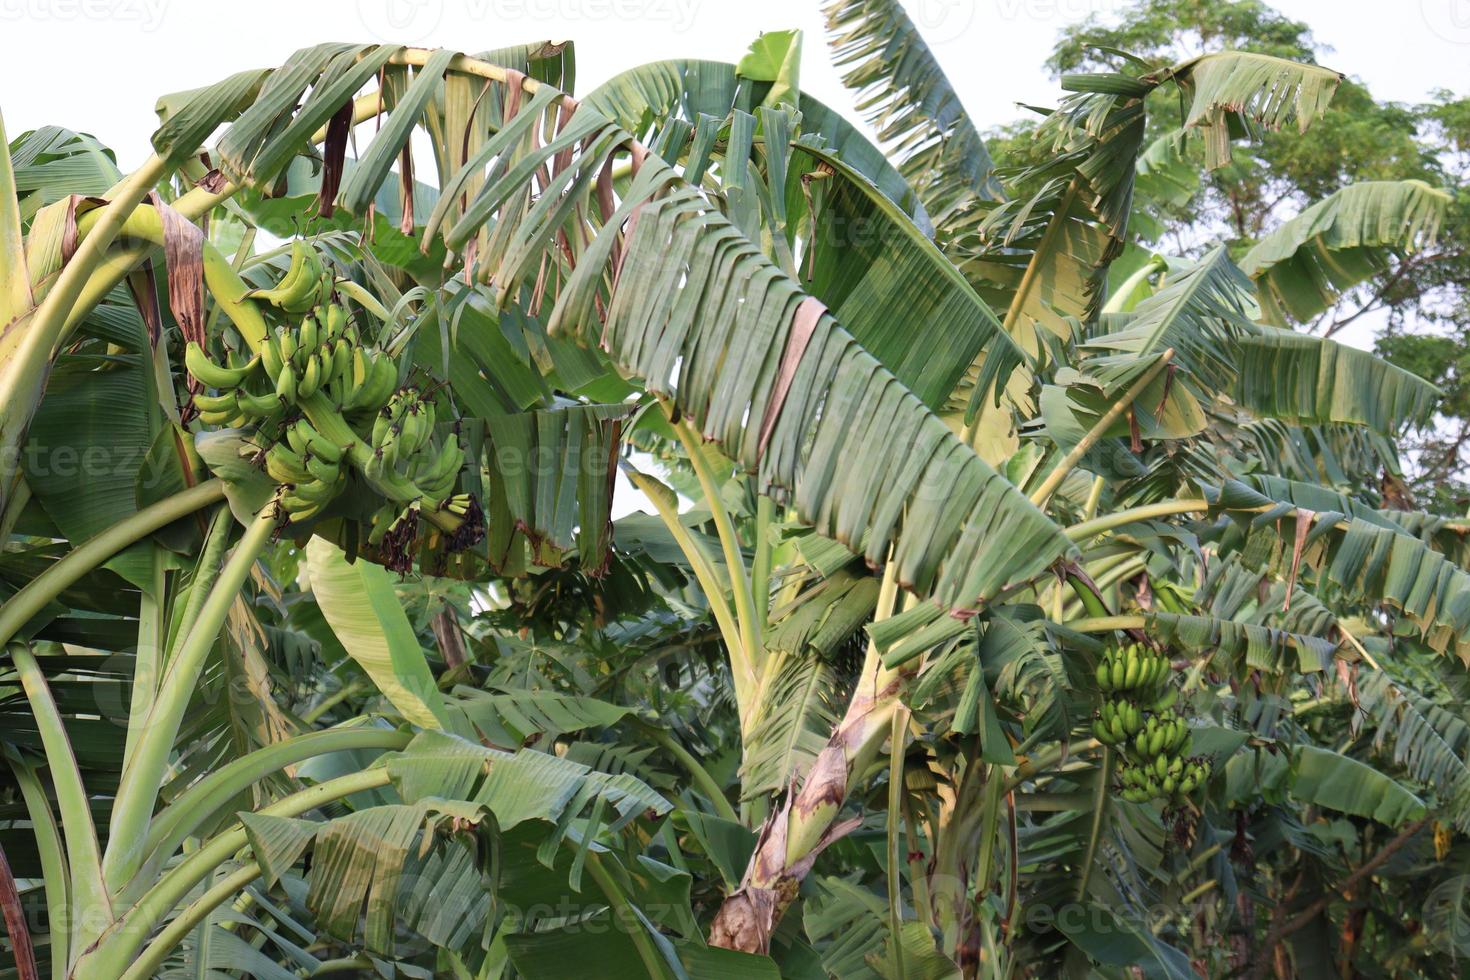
98 65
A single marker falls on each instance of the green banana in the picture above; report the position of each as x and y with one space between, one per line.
286 384
311 377
299 282
258 406
217 403
317 444
216 375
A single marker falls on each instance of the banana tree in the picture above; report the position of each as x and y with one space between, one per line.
968 592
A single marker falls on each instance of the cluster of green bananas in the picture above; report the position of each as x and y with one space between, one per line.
234 405
1131 669
1165 777
310 468
404 447
323 352
1138 718
318 351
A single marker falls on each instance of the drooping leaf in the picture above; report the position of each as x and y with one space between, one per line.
358 601
1305 264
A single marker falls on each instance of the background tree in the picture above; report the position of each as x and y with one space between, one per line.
1414 309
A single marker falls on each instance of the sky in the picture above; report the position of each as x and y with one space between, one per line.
99 65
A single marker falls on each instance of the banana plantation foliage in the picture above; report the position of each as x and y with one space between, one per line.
1004 596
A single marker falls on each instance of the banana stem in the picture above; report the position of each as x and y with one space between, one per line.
39 591
91 904
1165 508
697 772
1099 809
742 676
740 590
1107 624
141 781
157 951
898 728
117 949
760 566
1055 477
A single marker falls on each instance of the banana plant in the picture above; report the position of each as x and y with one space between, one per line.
971 595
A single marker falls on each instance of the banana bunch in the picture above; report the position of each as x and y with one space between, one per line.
233 405
316 354
323 352
307 282
404 450
1137 717
1165 777
1133 669
310 468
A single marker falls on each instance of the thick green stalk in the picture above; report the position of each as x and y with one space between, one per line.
148 660
25 361
697 772
1107 624
760 566
90 911
172 934
206 570
897 730
39 591
15 285
664 502
54 873
740 590
1099 429
118 947
1164 508
204 800
627 917
1099 810
137 791
995 791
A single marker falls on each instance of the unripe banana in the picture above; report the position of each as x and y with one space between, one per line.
300 279
258 406
290 343
323 470
309 331
286 384
311 377
335 316
225 402
341 359
316 443
316 491
285 466
215 375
